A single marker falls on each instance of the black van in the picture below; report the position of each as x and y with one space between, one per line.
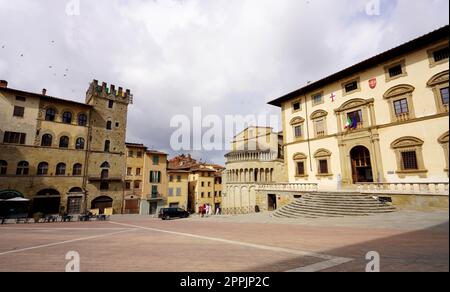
169 213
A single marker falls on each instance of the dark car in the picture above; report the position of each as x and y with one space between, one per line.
169 213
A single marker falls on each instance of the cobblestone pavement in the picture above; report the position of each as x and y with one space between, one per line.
406 241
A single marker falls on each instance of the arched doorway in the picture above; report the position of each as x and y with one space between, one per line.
102 203
47 201
361 165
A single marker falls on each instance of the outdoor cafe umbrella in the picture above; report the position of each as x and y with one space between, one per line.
18 200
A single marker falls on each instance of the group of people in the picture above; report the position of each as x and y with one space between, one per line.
206 210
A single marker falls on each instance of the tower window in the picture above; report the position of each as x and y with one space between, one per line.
107 145
108 125
110 103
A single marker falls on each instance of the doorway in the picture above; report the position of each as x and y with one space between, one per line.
153 208
361 165
47 202
272 202
102 203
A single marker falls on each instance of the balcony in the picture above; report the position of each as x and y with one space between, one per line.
402 117
155 197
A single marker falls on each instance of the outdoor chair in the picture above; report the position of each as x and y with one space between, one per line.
102 217
66 218
50 219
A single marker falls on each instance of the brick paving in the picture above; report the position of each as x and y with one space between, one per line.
256 243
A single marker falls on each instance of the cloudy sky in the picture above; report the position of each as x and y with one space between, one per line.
227 56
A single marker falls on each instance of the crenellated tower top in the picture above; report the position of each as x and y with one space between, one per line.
103 91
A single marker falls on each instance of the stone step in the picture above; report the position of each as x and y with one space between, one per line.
336 210
340 200
282 213
313 214
333 205
343 205
356 209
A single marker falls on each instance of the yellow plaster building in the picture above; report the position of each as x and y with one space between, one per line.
178 188
379 126
155 182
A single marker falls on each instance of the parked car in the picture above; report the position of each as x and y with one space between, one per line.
169 213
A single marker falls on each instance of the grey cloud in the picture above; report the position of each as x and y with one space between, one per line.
230 57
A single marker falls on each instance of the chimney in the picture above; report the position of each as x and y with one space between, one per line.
44 91
3 84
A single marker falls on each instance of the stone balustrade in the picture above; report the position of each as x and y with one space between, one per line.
288 187
439 188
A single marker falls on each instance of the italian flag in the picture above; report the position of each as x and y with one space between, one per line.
349 123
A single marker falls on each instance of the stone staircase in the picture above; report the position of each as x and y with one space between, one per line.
316 205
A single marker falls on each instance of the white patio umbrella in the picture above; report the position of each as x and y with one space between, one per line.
18 200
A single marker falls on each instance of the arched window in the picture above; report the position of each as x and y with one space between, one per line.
408 152
107 145
82 120
439 84
105 165
67 117
61 169
3 167
79 145
108 125
77 169
42 168
23 168
46 140
50 114
64 142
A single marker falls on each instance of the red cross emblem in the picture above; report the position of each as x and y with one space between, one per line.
333 97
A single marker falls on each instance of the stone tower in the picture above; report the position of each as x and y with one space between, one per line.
106 159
